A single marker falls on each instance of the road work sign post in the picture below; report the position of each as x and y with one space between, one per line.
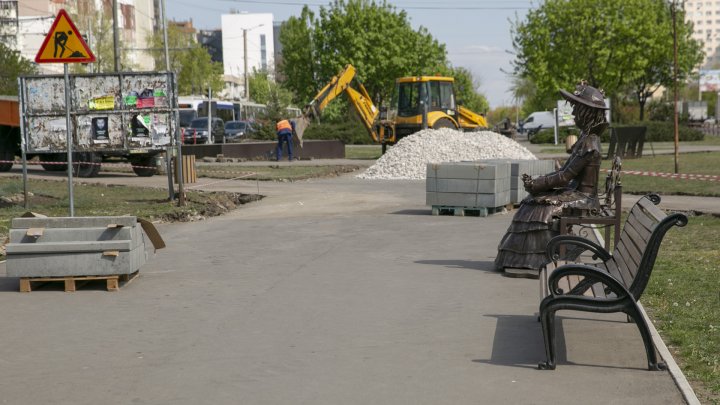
64 44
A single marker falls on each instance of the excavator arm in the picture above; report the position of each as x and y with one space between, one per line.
360 99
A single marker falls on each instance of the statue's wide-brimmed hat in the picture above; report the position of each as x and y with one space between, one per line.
587 95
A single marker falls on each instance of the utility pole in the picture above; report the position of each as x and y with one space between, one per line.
165 39
675 82
116 35
245 58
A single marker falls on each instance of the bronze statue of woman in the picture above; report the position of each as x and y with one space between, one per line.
572 187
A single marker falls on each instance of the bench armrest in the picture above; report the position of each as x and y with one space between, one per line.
591 276
552 251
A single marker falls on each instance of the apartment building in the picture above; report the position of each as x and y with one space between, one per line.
705 16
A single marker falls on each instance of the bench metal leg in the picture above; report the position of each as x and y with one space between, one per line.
642 325
547 317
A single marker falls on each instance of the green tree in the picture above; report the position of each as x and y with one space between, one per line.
198 72
13 65
466 90
374 37
192 63
298 66
616 45
179 42
262 87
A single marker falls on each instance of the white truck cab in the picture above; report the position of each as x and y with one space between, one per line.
541 120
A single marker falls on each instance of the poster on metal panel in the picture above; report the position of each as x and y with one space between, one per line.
109 112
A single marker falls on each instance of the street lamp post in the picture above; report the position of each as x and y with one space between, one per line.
245 60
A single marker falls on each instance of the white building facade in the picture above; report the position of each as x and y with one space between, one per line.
260 49
705 16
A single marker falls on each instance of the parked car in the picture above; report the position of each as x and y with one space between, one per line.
197 132
236 130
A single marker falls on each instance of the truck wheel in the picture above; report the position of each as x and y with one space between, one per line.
443 123
54 158
90 166
144 166
6 155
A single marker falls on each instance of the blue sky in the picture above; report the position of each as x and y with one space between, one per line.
476 32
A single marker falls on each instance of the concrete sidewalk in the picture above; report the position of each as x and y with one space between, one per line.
332 291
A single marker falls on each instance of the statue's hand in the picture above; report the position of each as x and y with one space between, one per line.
527 182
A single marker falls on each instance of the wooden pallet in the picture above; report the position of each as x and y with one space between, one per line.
468 211
113 281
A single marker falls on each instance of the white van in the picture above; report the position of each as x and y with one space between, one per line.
542 119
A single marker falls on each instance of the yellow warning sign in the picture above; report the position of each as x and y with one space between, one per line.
64 44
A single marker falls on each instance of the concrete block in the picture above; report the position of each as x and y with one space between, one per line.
75 264
468 200
77 234
467 185
67 247
468 170
516 196
541 167
72 222
77 246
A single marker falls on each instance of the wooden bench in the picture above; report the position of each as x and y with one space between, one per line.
608 216
613 285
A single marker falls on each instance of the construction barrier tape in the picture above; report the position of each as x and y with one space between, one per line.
17 162
675 176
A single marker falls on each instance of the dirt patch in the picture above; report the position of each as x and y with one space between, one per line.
211 204
18 200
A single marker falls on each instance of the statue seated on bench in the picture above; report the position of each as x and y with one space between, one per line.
521 252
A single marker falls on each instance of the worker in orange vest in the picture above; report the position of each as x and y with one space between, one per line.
285 130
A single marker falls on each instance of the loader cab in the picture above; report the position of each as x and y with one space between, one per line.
410 97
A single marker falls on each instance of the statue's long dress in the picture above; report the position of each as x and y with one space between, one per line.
573 187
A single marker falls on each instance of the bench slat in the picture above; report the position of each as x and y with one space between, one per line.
653 210
612 268
634 243
637 231
626 260
598 290
647 222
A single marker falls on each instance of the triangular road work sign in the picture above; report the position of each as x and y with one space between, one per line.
64 44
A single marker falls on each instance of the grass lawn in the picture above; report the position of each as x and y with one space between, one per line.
690 163
683 298
363 151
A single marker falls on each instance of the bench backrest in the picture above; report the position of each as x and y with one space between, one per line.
634 256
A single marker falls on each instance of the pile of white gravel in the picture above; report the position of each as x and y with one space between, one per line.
408 158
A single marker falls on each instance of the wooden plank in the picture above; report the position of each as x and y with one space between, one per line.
647 222
598 290
612 268
622 265
630 254
25 285
655 211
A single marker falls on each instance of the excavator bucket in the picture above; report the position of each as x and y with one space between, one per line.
301 123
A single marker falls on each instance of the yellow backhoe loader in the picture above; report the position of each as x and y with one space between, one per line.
418 102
